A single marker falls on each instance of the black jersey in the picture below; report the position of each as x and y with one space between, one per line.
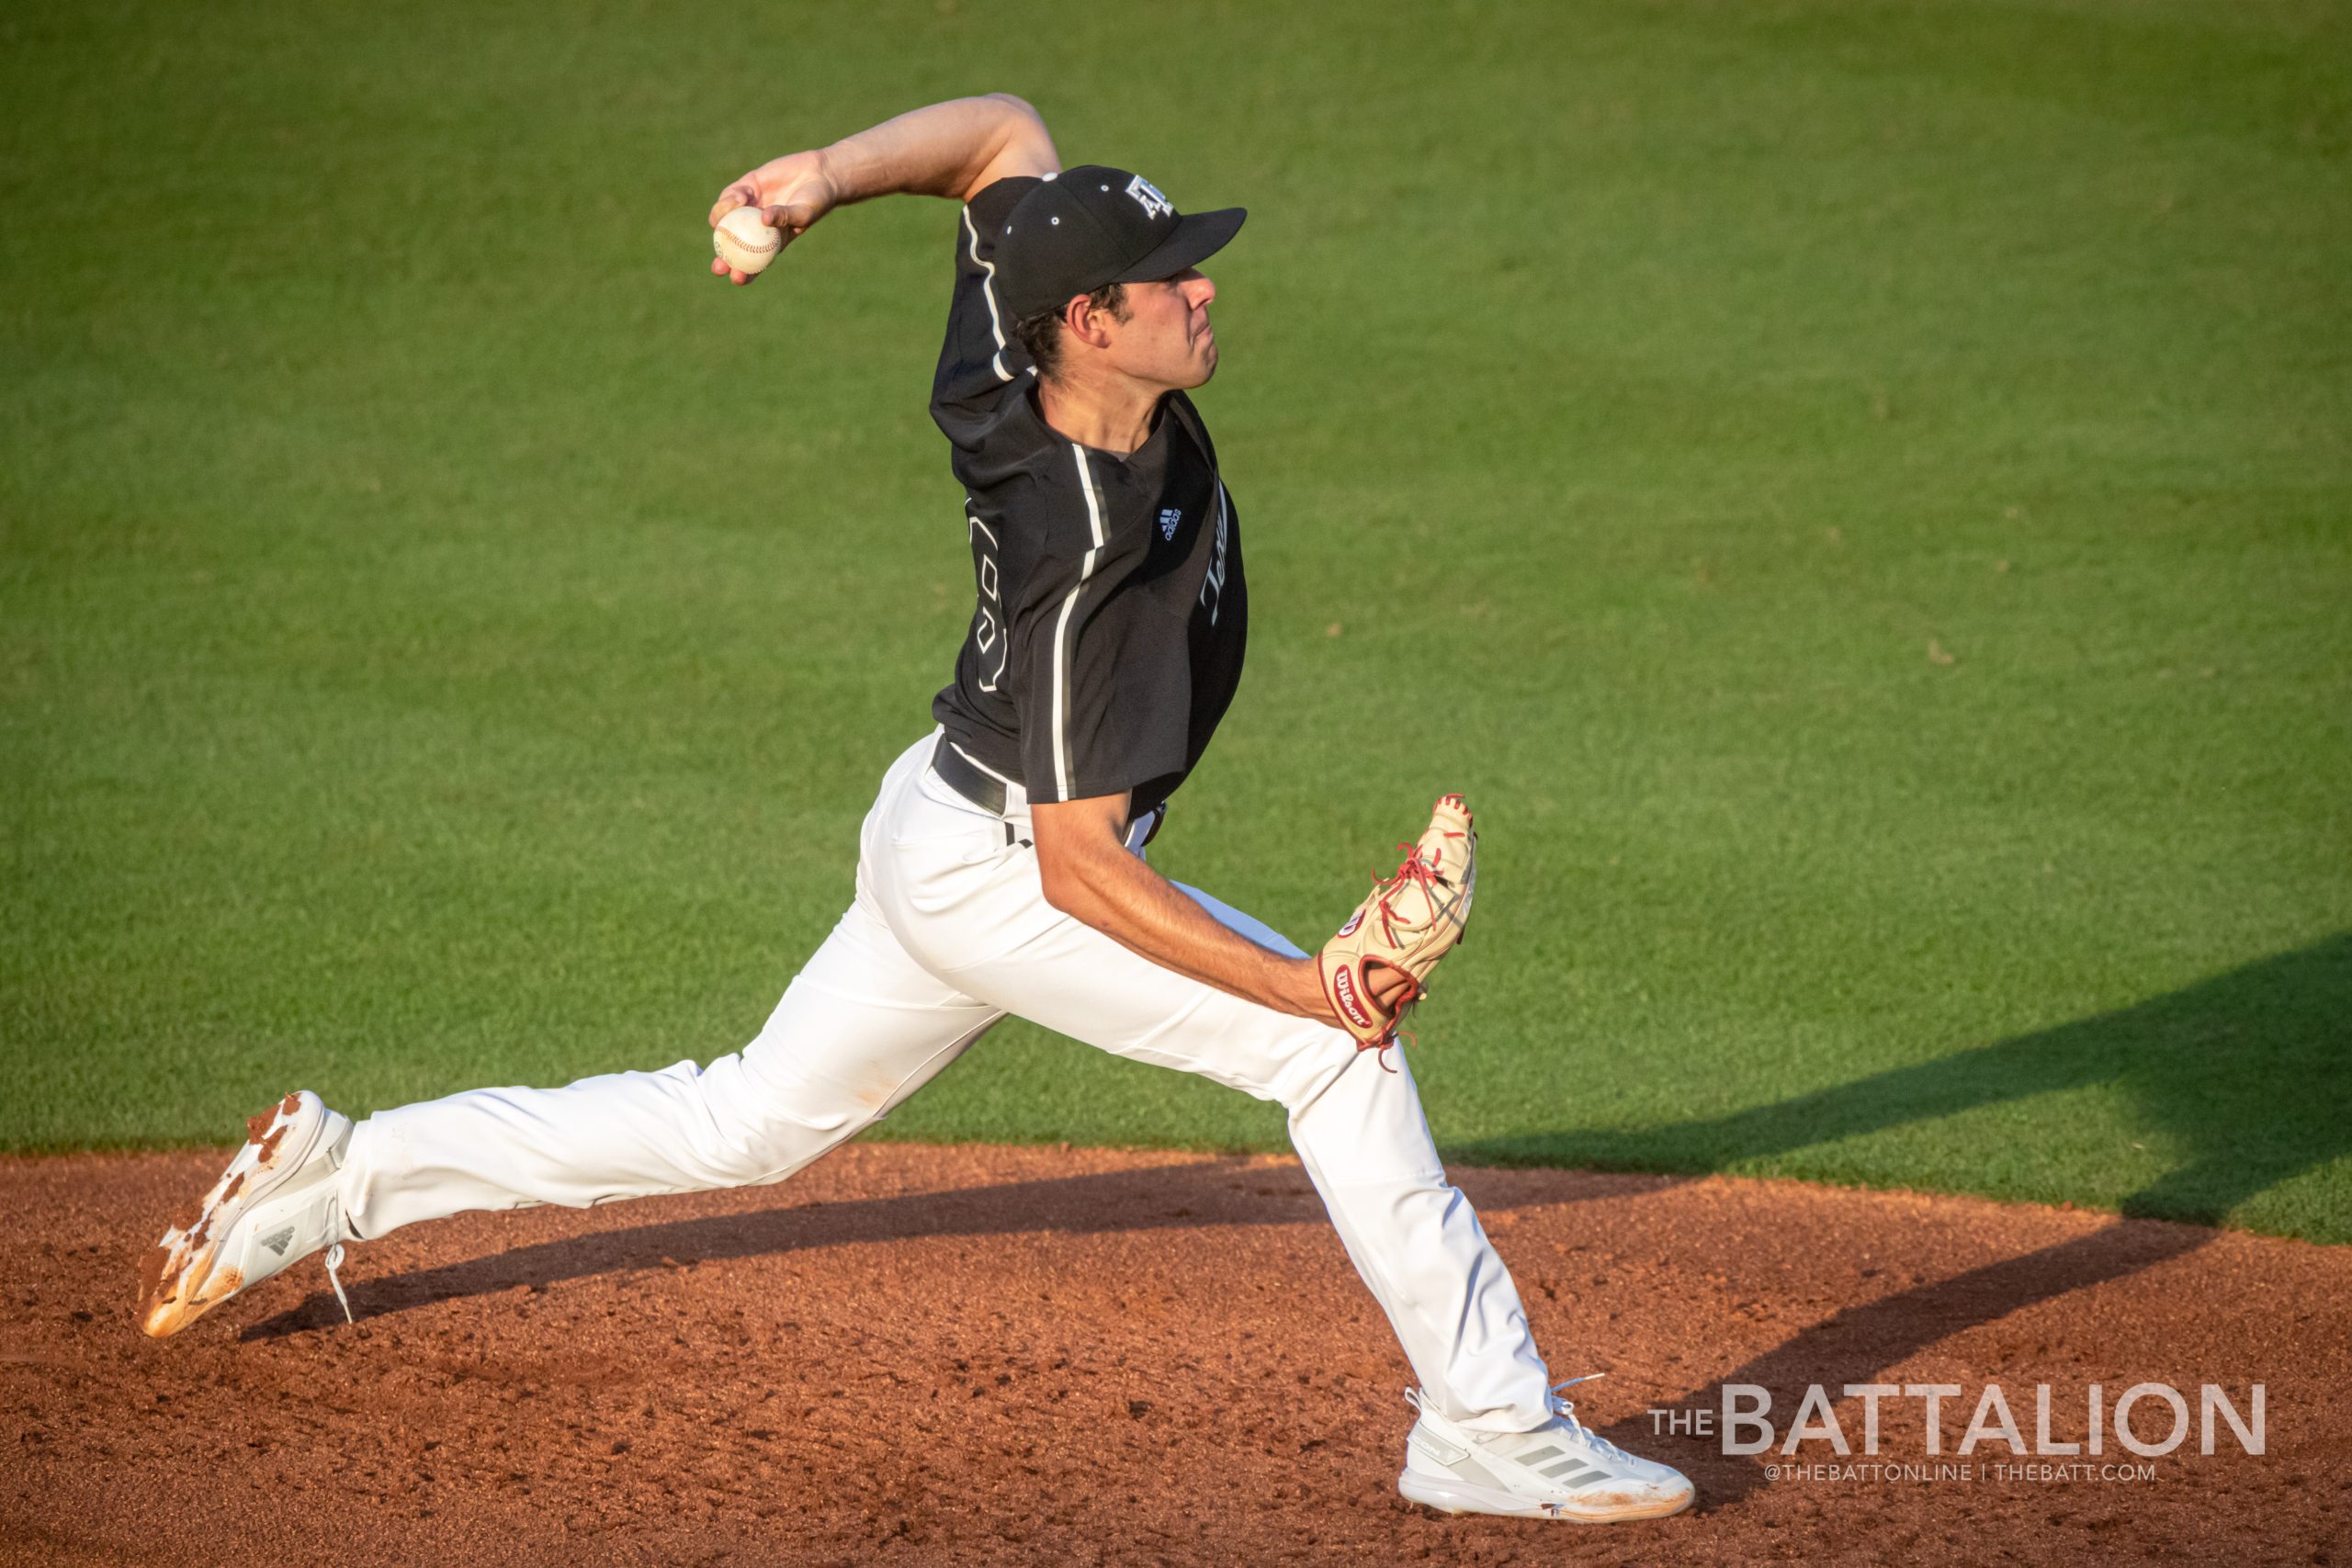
1108 638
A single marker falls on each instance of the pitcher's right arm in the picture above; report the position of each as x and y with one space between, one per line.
953 149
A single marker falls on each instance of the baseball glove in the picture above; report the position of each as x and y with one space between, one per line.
1411 920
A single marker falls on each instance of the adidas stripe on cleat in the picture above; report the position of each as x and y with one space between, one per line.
1560 1470
275 1204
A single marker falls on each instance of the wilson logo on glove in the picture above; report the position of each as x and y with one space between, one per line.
1413 917
1344 994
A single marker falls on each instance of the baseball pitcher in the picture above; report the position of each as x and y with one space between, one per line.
1003 869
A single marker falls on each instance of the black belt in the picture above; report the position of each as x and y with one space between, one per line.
981 789
986 790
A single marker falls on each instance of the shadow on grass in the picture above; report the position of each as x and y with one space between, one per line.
2250 1071
2246 1071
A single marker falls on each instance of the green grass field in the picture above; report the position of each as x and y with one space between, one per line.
1859 495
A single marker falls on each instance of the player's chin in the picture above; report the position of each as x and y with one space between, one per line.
1204 363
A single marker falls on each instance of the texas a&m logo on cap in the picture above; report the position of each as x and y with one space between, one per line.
1148 195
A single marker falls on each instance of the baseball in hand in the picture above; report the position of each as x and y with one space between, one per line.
744 243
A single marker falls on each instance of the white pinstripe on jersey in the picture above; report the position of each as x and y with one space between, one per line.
1061 626
988 292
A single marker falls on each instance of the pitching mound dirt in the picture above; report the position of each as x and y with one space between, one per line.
918 1355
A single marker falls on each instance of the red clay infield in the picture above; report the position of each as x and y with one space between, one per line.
918 1355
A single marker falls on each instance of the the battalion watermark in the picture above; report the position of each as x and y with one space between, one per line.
2073 1431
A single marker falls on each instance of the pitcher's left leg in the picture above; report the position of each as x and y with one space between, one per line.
1412 1234
1358 1129
1491 1438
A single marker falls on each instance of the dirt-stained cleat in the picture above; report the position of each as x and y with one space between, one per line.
276 1203
1560 1470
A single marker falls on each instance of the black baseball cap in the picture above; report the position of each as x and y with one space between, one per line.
1093 225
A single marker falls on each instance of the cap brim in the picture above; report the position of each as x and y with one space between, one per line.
1198 236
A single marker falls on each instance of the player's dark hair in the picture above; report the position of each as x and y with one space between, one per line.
1041 334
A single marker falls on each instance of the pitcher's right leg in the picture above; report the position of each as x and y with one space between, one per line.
860 1028
857 1030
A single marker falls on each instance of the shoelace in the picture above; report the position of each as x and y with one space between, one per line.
335 1263
334 1257
334 1227
1565 1412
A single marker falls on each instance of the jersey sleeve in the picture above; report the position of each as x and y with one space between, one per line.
1103 681
980 356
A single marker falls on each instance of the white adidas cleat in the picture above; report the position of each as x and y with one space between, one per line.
1560 1470
275 1204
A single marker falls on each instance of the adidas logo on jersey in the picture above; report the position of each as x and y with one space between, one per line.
1170 519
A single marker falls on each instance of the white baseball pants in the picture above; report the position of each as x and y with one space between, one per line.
949 933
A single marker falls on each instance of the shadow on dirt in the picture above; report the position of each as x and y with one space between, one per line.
1859 1343
1207 1193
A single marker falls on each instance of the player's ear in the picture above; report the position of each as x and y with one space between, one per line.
1080 320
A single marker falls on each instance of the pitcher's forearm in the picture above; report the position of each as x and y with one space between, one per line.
948 148
1143 912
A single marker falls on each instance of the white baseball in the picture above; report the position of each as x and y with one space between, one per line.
745 244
